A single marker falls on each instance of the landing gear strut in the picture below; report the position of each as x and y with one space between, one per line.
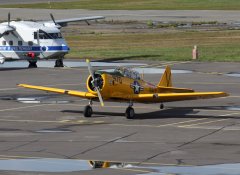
130 114
87 112
32 64
59 63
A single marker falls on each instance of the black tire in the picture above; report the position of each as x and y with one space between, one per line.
87 111
32 64
129 113
59 63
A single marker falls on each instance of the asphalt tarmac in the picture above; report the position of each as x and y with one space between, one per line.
36 124
222 16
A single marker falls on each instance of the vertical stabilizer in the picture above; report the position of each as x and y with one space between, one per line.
166 79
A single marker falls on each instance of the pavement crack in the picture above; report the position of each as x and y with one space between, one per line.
184 144
206 135
19 146
111 141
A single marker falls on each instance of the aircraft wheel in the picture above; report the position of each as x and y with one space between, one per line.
32 64
87 111
161 106
129 113
59 63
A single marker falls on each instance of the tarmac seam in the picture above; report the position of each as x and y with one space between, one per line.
30 142
184 144
111 141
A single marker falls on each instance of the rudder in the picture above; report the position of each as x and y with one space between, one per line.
166 79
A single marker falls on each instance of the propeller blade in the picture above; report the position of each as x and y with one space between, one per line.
90 68
92 75
53 19
100 96
9 18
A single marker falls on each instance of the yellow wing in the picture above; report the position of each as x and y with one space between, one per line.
169 97
61 91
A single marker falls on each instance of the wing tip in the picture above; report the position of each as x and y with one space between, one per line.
20 85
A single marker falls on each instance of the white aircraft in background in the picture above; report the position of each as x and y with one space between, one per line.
33 41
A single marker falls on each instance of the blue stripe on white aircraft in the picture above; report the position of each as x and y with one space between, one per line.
32 41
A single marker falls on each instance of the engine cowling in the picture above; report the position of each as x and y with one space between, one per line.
99 82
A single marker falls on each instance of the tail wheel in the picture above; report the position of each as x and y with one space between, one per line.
129 113
87 111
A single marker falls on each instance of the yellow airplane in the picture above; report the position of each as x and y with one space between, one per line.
124 84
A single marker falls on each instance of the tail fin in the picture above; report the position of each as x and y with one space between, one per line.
166 79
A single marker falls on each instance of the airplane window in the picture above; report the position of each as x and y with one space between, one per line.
44 35
10 43
55 35
35 35
30 43
4 43
20 43
128 73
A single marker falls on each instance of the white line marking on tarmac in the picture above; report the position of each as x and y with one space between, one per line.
24 107
206 83
173 63
33 121
158 126
61 121
214 121
188 121
9 89
209 127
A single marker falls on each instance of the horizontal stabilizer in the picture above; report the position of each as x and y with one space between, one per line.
169 97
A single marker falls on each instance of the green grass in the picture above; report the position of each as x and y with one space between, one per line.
137 5
213 46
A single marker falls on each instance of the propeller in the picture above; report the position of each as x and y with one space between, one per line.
53 19
94 82
9 18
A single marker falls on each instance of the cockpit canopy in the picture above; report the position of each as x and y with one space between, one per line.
44 35
127 72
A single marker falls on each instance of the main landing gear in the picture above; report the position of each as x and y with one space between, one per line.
59 63
87 112
32 64
130 114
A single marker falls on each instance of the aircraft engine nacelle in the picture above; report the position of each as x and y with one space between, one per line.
100 82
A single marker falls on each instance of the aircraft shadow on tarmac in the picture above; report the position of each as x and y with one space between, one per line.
178 112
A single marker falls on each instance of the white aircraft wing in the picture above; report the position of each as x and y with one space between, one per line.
4 29
63 22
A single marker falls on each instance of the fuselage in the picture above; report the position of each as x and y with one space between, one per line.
125 84
116 86
32 40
